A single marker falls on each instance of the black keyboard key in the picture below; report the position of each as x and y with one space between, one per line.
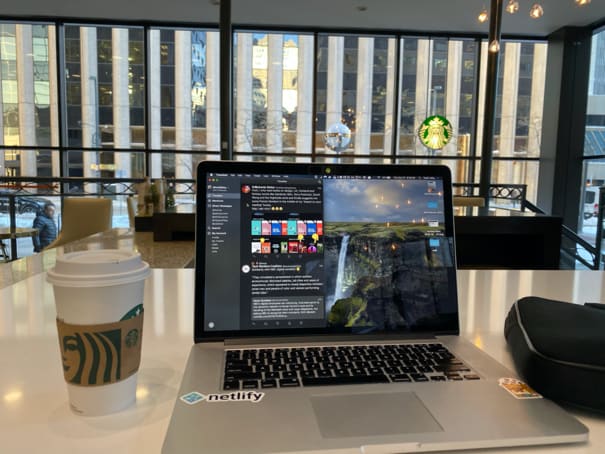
231 384
455 377
243 376
324 373
357 380
307 373
270 375
268 383
249 384
401 378
289 382
471 377
289 375
419 377
438 378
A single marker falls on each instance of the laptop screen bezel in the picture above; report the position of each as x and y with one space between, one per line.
267 168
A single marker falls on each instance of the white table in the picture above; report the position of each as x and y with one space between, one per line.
35 417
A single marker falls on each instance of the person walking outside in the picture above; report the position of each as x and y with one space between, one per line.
47 229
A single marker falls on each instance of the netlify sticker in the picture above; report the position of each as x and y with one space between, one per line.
236 396
518 389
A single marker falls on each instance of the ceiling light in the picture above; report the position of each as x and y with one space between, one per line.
482 17
582 2
536 11
513 6
494 46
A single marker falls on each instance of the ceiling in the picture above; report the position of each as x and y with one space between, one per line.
435 16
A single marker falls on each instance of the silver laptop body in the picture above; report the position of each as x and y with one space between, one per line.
319 289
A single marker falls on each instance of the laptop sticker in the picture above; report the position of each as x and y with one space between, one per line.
518 389
236 396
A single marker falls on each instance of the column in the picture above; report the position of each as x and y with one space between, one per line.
213 92
508 121
54 100
452 92
121 101
390 116
423 82
90 108
363 101
243 114
275 92
536 111
182 103
27 111
481 98
304 111
335 75
155 103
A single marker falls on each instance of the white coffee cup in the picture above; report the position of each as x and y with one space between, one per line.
94 289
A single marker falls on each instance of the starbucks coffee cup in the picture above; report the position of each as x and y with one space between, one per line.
99 301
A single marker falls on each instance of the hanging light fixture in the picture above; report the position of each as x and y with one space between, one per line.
482 17
513 6
494 46
536 11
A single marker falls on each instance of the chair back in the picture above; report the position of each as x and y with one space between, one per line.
131 205
81 217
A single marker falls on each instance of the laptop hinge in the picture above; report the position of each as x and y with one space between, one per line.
311 339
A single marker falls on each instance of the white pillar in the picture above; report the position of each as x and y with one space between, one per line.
423 82
243 136
182 102
536 112
54 100
363 101
536 109
275 93
508 119
510 89
391 117
27 111
452 92
121 101
213 92
90 104
155 103
304 110
335 75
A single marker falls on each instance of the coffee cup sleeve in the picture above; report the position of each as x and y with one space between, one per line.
101 354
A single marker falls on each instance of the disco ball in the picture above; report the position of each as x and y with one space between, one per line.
337 137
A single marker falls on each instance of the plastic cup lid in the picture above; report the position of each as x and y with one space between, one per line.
98 268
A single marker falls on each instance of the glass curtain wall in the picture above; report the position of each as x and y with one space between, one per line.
594 140
273 96
28 100
128 90
355 98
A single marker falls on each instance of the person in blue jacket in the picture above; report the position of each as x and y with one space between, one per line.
47 229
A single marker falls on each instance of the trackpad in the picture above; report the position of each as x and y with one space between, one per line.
359 415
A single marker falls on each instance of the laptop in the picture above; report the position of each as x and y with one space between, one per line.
326 320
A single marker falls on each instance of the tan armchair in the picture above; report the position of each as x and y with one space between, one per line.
81 217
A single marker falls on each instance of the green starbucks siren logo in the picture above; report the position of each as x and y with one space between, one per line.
132 338
435 132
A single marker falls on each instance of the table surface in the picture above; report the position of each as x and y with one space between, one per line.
171 254
35 417
7 233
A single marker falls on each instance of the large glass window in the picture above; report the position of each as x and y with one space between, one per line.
273 94
594 140
355 88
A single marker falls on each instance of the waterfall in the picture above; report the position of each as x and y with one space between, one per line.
342 257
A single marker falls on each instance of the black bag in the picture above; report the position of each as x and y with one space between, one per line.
559 349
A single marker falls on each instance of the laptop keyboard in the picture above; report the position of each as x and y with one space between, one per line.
342 365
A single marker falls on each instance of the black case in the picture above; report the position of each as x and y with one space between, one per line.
559 349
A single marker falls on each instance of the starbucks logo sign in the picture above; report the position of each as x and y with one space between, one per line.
435 132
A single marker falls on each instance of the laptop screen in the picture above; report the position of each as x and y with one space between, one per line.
300 248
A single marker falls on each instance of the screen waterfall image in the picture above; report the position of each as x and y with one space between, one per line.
382 269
